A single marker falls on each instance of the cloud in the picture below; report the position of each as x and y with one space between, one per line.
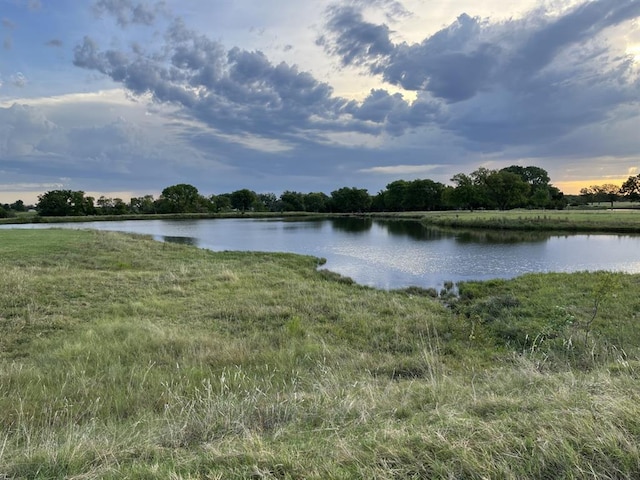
512 82
54 42
232 90
400 170
19 80
8 24
129 12
21 130
356 41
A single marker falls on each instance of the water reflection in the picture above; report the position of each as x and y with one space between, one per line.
500 236
352 224
414 230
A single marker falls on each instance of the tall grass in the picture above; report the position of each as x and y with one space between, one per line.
616 221
121 357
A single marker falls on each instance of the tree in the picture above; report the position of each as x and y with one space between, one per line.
507 189
220 203
377 202
588 194
18 206
558 200
465 193
112 206
243 199
60 203
144 204
316 202
423 195
181 198
394 195
481 194
540 191
269 202
631 188
350 200
292 201
609 192
534 176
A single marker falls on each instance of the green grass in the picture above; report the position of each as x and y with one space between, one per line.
617 221
121 357
32 217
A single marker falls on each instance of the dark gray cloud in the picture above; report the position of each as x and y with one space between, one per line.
470 55
354 40
232 90
490 86
505 83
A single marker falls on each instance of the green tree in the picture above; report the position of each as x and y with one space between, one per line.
120 207
537 178
220 203
465 193
377 202
482 195
423 195
316 202
292 201
269 202
111 206
558 200
506 189
18 206
145 204
60 203
243 200
353 199
181 198
394 195
534 176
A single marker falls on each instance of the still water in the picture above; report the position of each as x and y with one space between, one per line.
395 254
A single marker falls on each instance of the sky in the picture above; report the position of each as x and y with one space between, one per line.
126 97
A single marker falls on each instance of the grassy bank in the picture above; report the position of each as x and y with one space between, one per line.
121 357
615 221
34 218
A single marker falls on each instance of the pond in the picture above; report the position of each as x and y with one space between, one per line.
395 254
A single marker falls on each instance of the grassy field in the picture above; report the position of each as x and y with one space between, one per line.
619 221
121 357
32 217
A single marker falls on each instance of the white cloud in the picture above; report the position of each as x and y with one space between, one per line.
400 170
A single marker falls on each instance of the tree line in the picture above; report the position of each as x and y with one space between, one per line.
610 193
510 187
503 189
